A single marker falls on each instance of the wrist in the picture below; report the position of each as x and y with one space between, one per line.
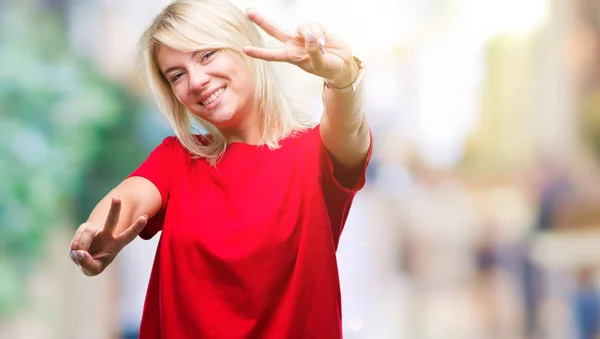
347 77
351 78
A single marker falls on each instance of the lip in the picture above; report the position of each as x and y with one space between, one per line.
215 103
207 95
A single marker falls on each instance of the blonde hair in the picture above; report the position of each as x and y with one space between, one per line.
190 25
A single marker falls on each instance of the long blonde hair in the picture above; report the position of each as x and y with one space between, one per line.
190 25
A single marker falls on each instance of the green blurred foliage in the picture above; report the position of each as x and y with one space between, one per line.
67 135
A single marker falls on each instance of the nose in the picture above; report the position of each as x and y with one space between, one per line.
198 78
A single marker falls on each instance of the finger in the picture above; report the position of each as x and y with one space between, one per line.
76 241
76 238
88 265
279 55
113 214
267 25
132 231
74 258
81 235
319 32
314 41
86 239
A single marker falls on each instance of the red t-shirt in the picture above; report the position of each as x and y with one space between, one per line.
248 249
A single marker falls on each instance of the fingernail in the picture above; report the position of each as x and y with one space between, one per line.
79 255
321 42
310 38
74 258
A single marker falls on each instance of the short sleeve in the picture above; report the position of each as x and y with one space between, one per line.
339 184
158 168
344 179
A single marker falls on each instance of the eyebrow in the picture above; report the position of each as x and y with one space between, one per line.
170 69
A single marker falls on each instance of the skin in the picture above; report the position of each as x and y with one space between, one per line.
123 213
196 76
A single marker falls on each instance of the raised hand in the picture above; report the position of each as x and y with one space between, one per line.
312 48
94 247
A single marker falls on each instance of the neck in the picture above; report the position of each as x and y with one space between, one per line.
247 130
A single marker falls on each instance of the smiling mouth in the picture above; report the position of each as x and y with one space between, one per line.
213 97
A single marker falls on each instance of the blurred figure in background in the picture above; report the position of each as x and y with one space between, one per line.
586 305
486 259
553 187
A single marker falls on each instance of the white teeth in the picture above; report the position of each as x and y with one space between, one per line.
213 97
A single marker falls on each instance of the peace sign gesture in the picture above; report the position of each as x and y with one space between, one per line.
93 248
312 48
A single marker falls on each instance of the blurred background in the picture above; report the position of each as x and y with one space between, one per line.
481 213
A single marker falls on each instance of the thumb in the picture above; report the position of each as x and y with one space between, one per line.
314 42
89 266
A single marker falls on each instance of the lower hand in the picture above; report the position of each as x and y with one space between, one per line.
94 247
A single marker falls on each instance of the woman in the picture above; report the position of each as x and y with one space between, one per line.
251 212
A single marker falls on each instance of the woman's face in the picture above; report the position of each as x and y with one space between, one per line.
216 85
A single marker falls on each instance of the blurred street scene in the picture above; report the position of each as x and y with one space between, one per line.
481 214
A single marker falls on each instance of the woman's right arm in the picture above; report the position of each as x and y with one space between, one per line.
115 221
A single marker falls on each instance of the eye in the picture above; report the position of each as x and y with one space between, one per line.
207 55
176 76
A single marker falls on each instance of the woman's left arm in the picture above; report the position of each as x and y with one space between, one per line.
344 129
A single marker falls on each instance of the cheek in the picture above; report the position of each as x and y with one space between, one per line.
180 95
245 84
249 88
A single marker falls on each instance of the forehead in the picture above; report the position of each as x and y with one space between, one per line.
167 57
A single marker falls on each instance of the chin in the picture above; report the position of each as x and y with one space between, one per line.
221 120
